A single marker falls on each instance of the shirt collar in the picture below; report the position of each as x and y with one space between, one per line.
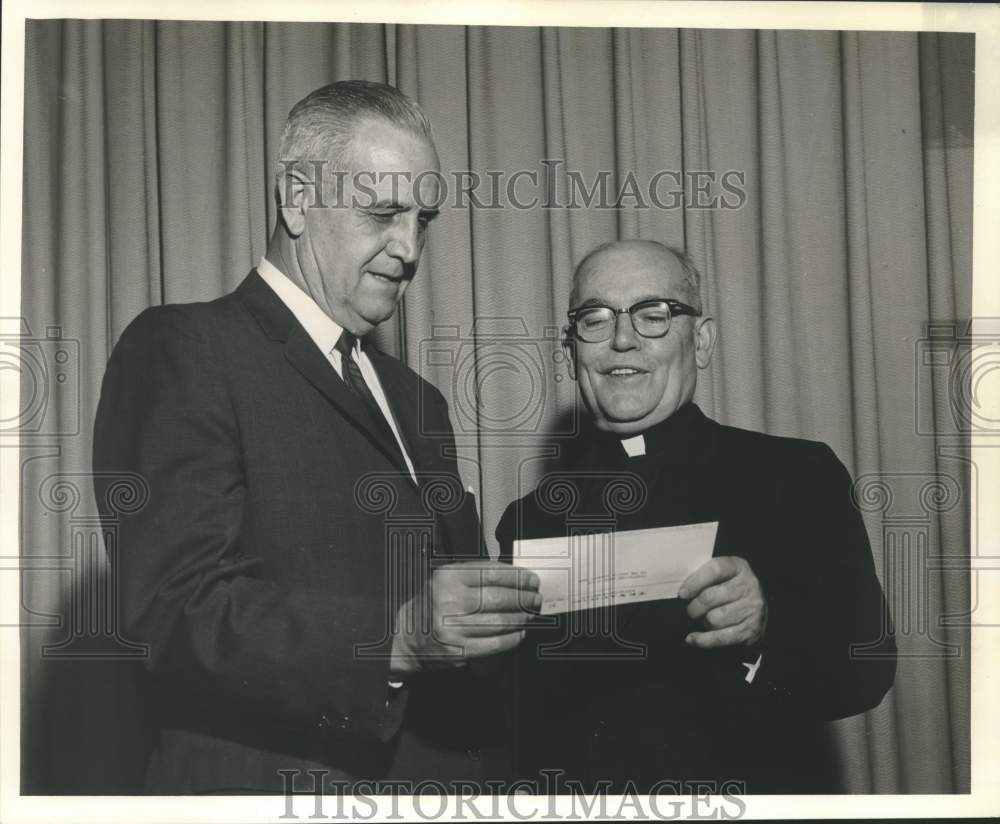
324 331
685 436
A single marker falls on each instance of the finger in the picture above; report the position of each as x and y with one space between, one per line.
494 644
713 571
503 599
727 637
523 578
491 599
729 615
484 624
711 597
493 573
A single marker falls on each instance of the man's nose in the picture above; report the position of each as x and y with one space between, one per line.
405 239
625 336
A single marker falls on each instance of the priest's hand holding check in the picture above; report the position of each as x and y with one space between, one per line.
610 569
726 597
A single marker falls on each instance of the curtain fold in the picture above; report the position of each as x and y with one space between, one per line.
845 227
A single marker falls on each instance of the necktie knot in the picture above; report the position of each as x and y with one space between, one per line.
356 383
345 343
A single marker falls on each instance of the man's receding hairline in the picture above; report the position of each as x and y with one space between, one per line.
350 157
377 118
333 115
690 281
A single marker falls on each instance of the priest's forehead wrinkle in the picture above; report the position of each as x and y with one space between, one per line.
687 288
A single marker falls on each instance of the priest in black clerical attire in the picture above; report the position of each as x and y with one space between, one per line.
729 686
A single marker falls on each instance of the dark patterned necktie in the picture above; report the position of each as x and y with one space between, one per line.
356 382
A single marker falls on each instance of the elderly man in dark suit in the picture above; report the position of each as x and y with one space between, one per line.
729 685
304 539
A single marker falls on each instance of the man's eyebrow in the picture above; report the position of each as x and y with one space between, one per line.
395 206
599 302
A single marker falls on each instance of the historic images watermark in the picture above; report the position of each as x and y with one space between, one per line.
908 503
312 794
588 507
959 362
953 363
47 368
44 370
414 527
552 185
91 624
956 369
957 408
500 380
414 531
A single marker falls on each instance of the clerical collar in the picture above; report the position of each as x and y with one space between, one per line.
635 446
670 439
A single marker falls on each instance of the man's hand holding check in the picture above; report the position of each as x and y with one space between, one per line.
467 610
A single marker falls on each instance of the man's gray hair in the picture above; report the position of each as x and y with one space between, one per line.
690 285
322 125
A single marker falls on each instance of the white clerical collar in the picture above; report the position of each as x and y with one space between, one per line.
318 324
635 446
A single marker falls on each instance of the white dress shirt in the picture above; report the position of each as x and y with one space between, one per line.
325 332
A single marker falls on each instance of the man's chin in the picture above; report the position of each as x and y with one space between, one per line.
625 430
627 422
377 313
623 423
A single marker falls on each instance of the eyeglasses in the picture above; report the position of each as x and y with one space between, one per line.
650 318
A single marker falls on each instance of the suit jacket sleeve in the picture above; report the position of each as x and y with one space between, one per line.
190 590
829 643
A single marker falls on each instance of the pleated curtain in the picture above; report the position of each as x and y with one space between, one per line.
149 155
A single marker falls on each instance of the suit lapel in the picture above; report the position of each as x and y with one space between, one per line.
405 407
301 351
460 530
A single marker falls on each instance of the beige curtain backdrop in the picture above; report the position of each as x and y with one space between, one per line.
149 149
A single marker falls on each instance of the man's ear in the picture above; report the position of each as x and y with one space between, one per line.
294 198
569 349
704 342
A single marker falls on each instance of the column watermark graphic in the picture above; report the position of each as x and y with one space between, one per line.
588 507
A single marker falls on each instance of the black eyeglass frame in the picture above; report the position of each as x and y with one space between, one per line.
674 308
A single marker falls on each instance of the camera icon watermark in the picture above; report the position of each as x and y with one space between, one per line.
501 381
45 369
959 362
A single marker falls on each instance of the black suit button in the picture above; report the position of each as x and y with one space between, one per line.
474 753
346 722
324 723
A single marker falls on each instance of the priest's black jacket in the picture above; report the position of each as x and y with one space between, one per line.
614 700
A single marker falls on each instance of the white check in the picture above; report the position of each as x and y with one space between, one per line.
613 568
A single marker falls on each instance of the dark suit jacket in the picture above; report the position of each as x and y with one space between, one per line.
281 533
633 702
